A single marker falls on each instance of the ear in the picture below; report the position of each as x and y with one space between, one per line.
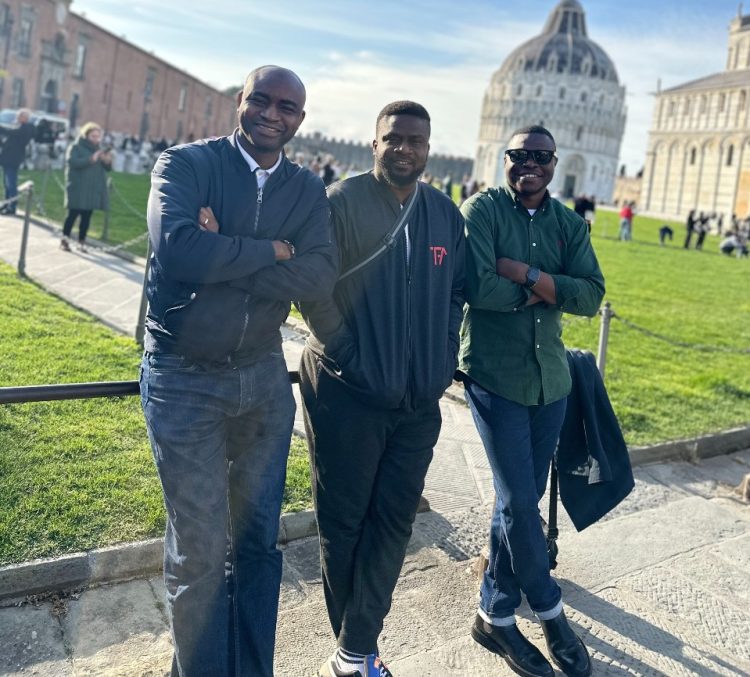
374 146
239 97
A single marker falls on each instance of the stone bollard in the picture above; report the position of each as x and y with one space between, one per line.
744 489
480 564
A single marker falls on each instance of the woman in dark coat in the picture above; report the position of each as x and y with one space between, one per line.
86 167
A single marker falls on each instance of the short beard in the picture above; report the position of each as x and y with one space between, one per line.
400 181
249 139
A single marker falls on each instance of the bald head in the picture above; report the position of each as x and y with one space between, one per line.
270 109
277 72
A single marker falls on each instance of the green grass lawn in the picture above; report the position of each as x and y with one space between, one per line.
127 219
78 474
75 475
662 391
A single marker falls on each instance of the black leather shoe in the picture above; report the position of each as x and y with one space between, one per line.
566 649
507 641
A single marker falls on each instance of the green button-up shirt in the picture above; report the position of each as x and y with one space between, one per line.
508 348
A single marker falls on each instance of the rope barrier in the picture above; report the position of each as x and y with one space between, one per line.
681 344
105 249
130 207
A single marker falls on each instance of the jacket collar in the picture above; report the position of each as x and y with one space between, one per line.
513 197
281 170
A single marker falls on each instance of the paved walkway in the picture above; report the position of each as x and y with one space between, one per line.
660 587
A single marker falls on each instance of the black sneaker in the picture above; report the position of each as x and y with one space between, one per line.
507 641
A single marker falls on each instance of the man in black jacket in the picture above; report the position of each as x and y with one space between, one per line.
214 384
382 352
13 154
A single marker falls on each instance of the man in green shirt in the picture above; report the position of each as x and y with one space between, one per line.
529 259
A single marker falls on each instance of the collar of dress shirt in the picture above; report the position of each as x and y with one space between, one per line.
253 164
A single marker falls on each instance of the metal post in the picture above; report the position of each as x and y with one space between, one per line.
105 228
29 187
601 357
43 192
140 328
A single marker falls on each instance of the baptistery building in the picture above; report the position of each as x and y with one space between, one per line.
564 81
698 153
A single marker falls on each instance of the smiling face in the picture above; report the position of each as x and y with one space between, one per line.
270 109
401 149
529 180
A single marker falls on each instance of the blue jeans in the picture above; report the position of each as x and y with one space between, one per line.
520 442
10 181
220 438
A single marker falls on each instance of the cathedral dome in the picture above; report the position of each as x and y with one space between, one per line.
562 47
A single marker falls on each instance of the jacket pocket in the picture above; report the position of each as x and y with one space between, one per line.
211 324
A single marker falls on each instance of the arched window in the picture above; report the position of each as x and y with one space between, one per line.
579 133
692 156
722 102
539 90
730 155
562 92
743 100
704 104
519 90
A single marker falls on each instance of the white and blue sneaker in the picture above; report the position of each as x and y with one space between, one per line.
353 665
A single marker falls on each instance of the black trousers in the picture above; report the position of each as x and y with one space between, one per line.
83 224
369 466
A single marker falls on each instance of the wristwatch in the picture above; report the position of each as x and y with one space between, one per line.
532 277
290 247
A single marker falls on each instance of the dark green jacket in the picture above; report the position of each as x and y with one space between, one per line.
85 181
508 348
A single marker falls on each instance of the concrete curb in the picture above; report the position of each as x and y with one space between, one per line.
694 449
120 562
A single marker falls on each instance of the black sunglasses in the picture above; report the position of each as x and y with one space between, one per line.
518 156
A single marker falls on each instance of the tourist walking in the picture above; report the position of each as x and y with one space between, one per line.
626 222
690 224
86 167
13 154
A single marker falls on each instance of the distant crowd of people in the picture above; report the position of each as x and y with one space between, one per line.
735 238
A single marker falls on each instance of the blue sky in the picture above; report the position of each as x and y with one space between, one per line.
356 56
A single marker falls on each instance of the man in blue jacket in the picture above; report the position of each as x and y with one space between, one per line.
13 154
383 351
214 384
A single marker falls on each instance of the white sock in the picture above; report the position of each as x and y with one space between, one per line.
346 661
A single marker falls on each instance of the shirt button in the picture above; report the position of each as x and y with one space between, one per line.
537 345
533 244
538 320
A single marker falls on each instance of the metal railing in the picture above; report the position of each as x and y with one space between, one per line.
78 391
26 188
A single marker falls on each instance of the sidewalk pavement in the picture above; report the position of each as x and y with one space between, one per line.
661 586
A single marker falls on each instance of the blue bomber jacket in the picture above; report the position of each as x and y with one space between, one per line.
217 297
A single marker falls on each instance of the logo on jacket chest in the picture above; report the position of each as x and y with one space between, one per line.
438 254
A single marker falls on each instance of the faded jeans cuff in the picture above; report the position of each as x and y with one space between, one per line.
505 621
554 612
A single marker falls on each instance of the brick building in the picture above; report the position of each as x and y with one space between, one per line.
58 61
